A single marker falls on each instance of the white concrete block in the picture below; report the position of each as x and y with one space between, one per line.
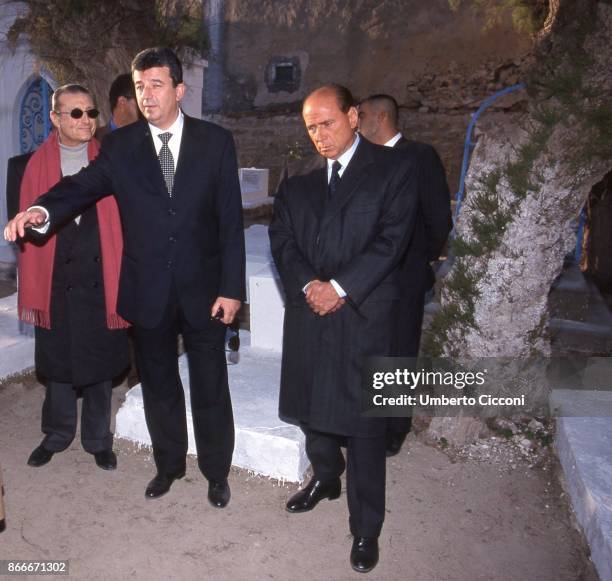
16 349
583 445
267 304
254 186
264 444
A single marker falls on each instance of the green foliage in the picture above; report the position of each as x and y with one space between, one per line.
458 313
460 247
520 172
75 37
527 16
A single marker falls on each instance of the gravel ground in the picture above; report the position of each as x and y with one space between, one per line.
494 511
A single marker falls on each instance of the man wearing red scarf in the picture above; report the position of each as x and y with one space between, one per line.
68 281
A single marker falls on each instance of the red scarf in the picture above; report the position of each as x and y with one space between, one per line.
36 262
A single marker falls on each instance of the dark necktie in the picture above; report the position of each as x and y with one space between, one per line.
166 161
334 180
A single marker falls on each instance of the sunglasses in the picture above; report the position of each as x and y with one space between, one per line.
78 113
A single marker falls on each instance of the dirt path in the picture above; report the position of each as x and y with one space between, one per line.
445 521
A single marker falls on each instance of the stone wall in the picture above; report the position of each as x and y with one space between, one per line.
408 48
439 64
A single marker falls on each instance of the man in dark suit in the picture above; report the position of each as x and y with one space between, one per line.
342 221
123 105
175 180
378 122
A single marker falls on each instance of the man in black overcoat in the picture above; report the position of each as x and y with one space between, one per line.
175 180
342 221
378 122
75 350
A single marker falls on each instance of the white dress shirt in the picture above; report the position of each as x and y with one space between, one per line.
394 139
174 144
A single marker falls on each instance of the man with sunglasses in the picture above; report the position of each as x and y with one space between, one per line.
68 285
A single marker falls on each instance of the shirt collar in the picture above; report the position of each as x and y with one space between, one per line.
394 139
345 158
176 128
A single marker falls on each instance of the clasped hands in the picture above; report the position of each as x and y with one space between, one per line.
322 298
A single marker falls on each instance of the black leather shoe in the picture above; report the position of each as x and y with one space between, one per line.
394 442
219 493
364 554
315 491
107 460
40 456
161 484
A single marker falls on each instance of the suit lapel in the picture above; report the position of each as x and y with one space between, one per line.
145 161
316 185
356 171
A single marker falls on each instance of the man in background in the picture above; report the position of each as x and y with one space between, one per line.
123 105
378 122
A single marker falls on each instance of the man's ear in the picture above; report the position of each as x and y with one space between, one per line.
180 91
353 116
54 119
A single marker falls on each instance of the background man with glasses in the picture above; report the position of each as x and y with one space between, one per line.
68 284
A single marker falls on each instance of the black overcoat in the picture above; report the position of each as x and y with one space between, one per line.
79 348
432 226
358 239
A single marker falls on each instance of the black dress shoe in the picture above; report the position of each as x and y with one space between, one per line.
106 459
40 456
364 554
161 484
394 442
219 493
315 491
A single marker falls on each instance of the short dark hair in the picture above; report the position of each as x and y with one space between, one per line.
159 56
70 89
387 103
343 96
123 86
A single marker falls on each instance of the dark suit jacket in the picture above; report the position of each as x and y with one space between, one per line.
357 238
14 174
434 218
194 239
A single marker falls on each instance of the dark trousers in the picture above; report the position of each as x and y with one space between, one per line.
59 416
164 398
365 475
410 324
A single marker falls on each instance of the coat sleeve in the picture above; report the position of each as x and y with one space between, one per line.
435 202
362 274
231 230
294 269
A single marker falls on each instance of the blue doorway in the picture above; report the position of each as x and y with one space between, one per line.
34 122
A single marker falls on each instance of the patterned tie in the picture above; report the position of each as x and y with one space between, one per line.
166 161
334 180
